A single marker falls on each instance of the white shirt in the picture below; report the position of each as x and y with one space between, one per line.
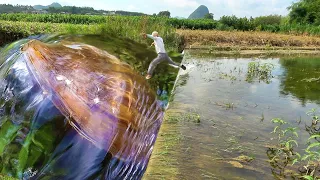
158 43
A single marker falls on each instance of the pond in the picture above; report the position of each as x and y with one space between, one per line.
219 126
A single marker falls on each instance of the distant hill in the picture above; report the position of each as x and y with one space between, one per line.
40 7
199 13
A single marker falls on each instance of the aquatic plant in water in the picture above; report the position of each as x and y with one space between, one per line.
283 157
259 71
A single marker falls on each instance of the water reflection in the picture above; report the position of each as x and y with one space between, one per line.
72 111
301 78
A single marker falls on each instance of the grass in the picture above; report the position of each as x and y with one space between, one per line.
11 31
162 165
4 177
284 155
175 39
249 40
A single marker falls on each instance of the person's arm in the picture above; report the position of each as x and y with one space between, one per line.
150 36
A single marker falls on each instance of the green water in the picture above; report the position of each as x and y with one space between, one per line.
219 116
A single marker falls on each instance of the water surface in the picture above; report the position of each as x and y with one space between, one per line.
218 117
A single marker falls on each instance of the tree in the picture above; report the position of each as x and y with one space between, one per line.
208 16
305 12
164 13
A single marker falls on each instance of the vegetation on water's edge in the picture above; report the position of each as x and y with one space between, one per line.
283 156
236 38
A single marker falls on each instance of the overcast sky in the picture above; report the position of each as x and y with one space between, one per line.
182 8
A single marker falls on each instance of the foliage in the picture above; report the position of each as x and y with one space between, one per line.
90 10
208 16
284 154
164 13
305 12
268 20
57 8
312 153
116 26
269 23
272 23
304 18
96 19
236 23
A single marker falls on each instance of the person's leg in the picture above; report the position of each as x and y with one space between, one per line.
154 63
170 61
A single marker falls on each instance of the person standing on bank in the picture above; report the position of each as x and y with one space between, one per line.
162 54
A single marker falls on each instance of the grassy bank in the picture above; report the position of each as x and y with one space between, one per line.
167 141
205 38
11 31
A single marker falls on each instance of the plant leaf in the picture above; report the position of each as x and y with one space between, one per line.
313 145
308 177
314 136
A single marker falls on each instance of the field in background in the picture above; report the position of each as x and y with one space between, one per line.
246 39
177 33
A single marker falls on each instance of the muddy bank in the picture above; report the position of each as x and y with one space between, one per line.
246 44
252 52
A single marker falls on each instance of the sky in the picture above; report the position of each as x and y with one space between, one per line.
181 8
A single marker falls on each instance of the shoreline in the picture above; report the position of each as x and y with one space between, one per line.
252 51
